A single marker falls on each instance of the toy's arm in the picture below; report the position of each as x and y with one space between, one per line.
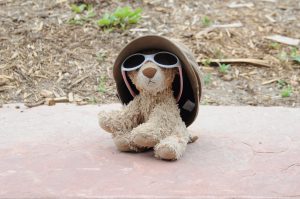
121 120
164 120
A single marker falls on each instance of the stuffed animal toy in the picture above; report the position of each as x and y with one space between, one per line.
160 83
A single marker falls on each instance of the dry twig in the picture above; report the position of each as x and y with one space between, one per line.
256 62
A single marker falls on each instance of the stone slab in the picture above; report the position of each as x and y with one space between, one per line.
59 151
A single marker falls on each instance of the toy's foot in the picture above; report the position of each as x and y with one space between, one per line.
165 153
103 122
122 144
145 140
170 148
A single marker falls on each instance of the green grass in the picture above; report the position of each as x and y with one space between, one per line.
92 100
218 54
206 62
283 56
78 8
101 85
84 13
275 45
224 68
120 18
287 91
206 21
295 55
207 79
281 83
101 56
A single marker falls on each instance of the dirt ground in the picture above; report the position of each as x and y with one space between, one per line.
42 55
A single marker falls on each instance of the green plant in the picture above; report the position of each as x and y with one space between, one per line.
207 79
218 54
224 68
295 56
120 18
206 62
281 83
101 55
206 21
287 91
92 100
76 21
275 45
283 56
101 85
78 8
80 19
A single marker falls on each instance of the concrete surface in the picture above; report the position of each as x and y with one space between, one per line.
59 151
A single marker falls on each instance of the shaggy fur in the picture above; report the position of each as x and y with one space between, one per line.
152 119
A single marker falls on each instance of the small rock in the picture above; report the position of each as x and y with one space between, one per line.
3 81
50 102
71 97
17 107
227 77
46 93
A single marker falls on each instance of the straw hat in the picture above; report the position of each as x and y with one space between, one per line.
192 80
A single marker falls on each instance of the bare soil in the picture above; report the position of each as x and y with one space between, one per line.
42 55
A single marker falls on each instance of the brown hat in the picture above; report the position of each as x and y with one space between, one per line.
192 80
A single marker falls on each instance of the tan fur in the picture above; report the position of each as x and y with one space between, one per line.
151 120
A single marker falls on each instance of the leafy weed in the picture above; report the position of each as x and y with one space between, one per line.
120 18
207 79
287 91
101 85
206 21
224 68
84 13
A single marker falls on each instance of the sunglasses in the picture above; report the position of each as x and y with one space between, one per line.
162 59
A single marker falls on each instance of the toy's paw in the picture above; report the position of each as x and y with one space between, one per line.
170 148
122 144
165 153
104 121
145 140
193 138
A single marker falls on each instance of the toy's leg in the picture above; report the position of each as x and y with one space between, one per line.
161 124
146 135
123 142
122 120
171 147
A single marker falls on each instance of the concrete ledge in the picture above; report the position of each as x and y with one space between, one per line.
59 151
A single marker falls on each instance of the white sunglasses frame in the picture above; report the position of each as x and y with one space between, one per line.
151 58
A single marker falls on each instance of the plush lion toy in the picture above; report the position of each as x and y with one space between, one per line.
155 80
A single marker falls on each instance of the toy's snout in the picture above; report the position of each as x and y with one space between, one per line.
149 72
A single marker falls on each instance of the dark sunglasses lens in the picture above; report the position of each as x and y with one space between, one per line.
165 59
133 61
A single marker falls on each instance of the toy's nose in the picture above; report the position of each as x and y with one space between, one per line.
149 72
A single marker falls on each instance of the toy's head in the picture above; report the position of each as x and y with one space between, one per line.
152 71
154 63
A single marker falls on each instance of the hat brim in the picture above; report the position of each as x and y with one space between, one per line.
192 88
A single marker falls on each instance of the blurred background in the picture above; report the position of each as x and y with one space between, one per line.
64 50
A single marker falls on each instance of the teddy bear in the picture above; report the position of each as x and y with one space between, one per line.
152 119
